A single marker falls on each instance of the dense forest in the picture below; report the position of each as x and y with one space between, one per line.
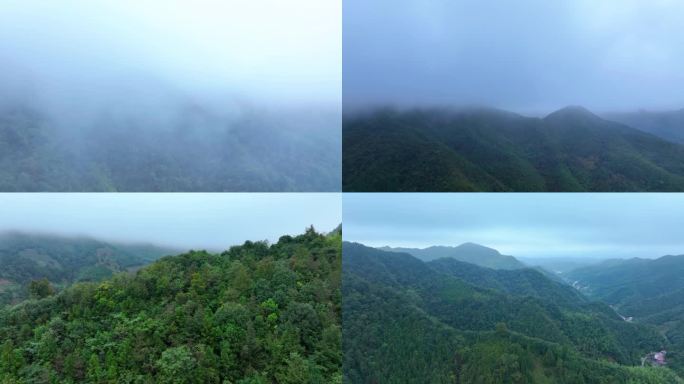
447 321
60 261
186 148
648 291
256 313
428 150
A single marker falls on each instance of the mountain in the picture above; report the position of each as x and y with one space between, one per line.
447 321
256 313
64 260
619 281
668 125
650 291
490 150
468 252
182 148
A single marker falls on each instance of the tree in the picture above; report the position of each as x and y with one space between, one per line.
40 289
176 366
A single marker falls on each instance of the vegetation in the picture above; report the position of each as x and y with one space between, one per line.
257 313
649 291
32 264
448 321
490 150
192 150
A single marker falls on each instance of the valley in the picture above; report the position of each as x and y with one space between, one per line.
448 321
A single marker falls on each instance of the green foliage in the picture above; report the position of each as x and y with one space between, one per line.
40 289
54 261
257 313
489 150
649 291
451 322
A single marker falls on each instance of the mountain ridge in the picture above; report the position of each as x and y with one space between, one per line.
467 252
434 150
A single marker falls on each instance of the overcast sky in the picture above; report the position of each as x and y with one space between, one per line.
524 55
194 220
527 225
268 51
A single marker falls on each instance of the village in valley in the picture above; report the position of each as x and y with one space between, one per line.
656 359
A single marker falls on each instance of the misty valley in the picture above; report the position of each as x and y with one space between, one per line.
80 310
469 314
166 144
484 149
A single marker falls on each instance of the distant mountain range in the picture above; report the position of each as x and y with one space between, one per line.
65 260
492 150
447 321
467 252
668 125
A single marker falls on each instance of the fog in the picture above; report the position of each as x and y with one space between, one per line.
216 70
577 225
529 56
265 50
184 221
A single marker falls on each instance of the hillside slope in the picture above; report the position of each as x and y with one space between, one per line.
188 149
410 321
668 125
256 313
64 260
649 291
490 150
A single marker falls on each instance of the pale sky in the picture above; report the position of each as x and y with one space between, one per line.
267 51
525 55
184 220
604 225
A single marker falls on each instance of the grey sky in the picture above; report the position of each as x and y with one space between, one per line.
268 51
194 220
525 55
528 225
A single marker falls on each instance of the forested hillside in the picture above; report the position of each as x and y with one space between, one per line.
256 313
187 148
491 150
648 291
451 322
668 125
467 252
27 258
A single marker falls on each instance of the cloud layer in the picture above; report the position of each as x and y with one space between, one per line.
192 220
528 55
527 225
267 50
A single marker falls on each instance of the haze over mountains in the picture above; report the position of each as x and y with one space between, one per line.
65 260
125 97
492 150
181 146
668 125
